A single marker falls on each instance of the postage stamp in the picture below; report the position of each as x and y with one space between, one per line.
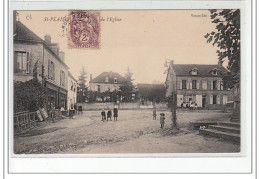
84 29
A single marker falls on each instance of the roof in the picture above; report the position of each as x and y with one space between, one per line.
145 89
111 75
23 33
70 75
203 70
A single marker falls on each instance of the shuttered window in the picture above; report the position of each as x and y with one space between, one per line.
184 84
21 62
194 84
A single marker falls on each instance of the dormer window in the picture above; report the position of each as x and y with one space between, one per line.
106 79
115 80
215 71
194 71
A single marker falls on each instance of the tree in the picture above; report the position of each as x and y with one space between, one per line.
29 95
227 38
82 87
127 87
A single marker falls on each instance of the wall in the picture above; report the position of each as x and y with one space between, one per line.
104 86
209 92
100 106
35 53
58 67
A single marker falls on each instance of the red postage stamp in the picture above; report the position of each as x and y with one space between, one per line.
84 29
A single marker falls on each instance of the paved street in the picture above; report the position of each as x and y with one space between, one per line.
134 132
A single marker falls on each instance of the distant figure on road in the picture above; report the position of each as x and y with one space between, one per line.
162 120
80 110
115 114
75 108
52 112
71 111
103 114
154 114
109 114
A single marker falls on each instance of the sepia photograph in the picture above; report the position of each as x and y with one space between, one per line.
126 81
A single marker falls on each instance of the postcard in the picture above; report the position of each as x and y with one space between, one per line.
127 82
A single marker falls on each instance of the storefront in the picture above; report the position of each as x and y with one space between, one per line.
55 95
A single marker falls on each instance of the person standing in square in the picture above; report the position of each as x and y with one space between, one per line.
115 114
162 120
103 115
109 114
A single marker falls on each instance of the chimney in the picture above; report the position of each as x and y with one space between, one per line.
14 21
47 39
90 77
220 63
62 56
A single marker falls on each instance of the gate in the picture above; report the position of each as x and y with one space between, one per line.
24 120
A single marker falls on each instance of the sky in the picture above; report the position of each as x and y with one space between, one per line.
142 40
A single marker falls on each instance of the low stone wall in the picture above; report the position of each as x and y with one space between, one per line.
100 106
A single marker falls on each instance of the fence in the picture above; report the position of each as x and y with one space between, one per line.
24 120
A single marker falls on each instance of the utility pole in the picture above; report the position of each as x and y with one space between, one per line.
173 99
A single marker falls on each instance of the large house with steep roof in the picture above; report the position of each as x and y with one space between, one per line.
106 81
196 83
30 51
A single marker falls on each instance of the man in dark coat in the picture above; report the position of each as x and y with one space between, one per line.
103 114
115 114
109 114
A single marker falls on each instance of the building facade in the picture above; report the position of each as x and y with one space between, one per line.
106 81
200 84
72 90
31 52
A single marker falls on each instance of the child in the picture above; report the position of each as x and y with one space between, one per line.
103 114
162 120
109 114
154 114
115 114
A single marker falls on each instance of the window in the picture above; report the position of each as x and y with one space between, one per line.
184 83
21 62
214 72
214 99
194 84
106 79
115 80
51 70
204 84
215 85
98 88
62 78
194 71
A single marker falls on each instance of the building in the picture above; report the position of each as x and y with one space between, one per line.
72 90
201 84
147 93
30 51
106 81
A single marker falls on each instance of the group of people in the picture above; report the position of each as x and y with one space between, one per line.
191 105
109 114
74 109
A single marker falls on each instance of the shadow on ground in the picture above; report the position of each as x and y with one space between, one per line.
40 131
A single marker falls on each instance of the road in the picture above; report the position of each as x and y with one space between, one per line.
134 132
